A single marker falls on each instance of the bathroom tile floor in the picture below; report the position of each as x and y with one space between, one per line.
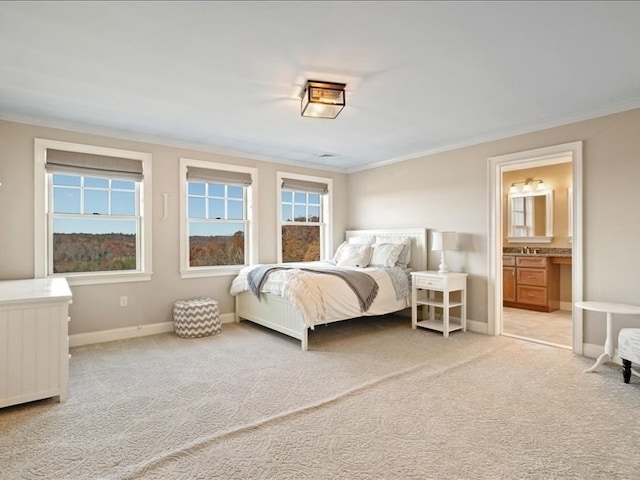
554 327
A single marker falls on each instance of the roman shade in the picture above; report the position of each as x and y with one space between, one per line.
304 186
60 161
227 177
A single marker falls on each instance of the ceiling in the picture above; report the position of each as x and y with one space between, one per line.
422 77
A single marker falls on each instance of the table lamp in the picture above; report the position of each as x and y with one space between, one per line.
443 241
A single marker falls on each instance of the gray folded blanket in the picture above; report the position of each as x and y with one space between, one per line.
363 285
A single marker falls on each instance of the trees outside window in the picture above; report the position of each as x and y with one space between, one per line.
304 213
92 213
217 219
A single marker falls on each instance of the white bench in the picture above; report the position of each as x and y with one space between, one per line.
629 350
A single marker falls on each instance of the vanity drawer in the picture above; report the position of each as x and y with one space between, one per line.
532 295
508 261
536 262
532 276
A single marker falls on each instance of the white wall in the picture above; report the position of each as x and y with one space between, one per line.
448 191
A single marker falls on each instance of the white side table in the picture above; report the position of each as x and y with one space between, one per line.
424 285
608 308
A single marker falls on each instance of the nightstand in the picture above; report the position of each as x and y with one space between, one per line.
424 286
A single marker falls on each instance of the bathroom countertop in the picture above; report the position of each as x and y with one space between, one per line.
543 252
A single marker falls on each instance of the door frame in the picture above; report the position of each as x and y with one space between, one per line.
513 161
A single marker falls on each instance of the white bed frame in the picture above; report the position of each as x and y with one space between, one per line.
279 314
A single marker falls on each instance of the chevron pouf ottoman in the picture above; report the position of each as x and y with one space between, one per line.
197 317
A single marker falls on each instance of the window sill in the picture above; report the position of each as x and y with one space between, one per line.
212 272
103 278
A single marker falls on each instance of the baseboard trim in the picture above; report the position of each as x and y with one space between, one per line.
478 327
591 350
80 339
89 338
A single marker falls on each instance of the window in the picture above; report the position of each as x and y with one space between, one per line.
91 218
521 216
304 217
216 222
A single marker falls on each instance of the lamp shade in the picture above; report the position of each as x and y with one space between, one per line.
443 241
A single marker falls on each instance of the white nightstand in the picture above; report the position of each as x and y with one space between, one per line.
424 285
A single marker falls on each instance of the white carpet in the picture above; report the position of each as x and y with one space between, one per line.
371 399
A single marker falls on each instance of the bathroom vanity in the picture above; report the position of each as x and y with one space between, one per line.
532 281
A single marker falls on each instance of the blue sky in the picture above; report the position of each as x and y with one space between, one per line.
67 199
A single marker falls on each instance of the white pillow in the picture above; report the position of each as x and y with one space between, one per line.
405 255
336 257
362 240
354 255
385 254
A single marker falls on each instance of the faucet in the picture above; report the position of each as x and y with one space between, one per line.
525 249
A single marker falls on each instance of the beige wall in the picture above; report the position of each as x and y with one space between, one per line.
448 191
445 191
96 307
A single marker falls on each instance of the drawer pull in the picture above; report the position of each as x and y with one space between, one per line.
531 276
530 295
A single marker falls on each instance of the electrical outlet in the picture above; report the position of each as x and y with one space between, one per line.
123 301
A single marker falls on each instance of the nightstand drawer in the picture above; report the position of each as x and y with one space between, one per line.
429 282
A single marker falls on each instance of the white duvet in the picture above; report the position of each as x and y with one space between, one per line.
324 298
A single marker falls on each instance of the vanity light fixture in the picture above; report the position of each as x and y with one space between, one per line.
529 185
322 99
443 241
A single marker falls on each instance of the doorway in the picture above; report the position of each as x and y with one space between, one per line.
537 289
501 319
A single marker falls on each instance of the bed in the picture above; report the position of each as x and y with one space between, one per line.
277 302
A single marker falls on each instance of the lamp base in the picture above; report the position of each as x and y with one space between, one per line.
443 267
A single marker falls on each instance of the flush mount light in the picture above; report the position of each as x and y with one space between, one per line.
322 99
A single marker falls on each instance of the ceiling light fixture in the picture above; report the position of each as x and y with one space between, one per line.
322 99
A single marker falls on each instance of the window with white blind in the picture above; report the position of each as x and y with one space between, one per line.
305 210
217 221
92 219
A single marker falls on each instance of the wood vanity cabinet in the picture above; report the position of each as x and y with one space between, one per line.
508 278
536 283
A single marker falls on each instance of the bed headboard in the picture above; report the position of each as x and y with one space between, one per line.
418 242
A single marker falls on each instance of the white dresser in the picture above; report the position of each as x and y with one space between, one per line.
34 342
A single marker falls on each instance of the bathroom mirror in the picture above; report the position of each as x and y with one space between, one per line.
530 217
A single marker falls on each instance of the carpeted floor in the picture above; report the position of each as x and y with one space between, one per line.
371 399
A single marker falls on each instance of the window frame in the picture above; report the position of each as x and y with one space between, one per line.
43 217
251 234
326 213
